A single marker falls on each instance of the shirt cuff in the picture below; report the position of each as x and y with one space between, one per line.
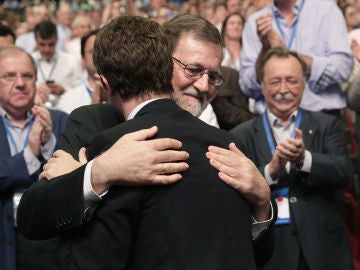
259 227
306 167
268 178
31 161
90 196
48 148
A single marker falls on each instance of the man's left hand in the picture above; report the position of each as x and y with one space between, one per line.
239 172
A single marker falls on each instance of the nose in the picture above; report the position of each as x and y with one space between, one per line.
202 84
19 80
283 86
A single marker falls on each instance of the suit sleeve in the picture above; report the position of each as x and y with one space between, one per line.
331 166
48 208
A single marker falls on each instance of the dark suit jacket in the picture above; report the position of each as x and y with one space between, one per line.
14 176
58 204
316 206
197 223
230 104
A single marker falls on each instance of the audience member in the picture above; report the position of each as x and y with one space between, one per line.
89 89
231 32
27 41
29 133
7 35
64 18
57 69
80 27
302 156
233 6
316 29
186 34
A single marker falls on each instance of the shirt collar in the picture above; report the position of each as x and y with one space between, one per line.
296 8
139 107
275 121
5 117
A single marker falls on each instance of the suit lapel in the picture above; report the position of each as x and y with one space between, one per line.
308 129
261 140
4 144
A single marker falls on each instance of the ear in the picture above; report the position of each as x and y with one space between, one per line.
106 85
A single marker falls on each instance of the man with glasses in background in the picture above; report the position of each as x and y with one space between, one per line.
302 156
29 134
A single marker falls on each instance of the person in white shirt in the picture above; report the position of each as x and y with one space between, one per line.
89 89
57 69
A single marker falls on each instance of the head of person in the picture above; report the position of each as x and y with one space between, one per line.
233 6
7 35
232 27
40 13
46 38
64 15
87 45
282 74
133 58
196 46
351 16
17 81
81 25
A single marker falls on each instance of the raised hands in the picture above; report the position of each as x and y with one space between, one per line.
267 35
41 129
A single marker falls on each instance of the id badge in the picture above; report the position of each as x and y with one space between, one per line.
281 196
16 201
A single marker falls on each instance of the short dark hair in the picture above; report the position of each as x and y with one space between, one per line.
84 39
199 27
133 54
45 29
6 30
280 52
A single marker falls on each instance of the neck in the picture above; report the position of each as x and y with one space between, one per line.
129 105
285 5
234 47
18 117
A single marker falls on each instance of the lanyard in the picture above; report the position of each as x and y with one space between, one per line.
51 70
293 28
268 130
12 139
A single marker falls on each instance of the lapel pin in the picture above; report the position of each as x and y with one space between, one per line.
310 131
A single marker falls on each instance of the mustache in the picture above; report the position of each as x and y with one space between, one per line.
287 96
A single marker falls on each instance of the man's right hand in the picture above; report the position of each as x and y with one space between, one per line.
134 161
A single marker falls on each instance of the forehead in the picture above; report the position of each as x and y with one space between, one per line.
282 67
15 61
194 51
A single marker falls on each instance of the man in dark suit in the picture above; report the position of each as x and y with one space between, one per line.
29 134
178 226
302 156
198 223
58 212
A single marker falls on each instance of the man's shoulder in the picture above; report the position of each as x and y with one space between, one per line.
247 126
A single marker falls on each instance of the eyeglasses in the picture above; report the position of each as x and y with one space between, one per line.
197 71
290 83
12 77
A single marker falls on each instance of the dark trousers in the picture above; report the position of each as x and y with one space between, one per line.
287 253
